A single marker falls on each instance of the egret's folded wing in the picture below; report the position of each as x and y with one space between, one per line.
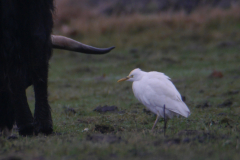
161 92
164 87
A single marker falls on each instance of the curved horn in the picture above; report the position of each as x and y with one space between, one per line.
61 42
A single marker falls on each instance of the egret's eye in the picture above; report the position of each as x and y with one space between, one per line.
131 76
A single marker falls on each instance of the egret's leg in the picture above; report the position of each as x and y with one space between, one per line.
155 122
165 121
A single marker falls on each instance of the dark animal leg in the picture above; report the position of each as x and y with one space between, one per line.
23 115
6 114
24 118
42 113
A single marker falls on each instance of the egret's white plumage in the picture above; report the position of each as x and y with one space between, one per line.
154 90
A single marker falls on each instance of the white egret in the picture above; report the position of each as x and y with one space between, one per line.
156 91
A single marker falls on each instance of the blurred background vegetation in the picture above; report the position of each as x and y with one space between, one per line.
146 23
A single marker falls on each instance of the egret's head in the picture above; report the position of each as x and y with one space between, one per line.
134 75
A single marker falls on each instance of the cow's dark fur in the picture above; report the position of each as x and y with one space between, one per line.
25 46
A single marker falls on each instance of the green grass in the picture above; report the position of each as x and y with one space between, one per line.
76 81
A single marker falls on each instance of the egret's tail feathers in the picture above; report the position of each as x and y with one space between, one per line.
178 107
183 110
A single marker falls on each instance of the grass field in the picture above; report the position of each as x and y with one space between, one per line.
186 51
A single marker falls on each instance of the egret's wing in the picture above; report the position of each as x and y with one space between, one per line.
162 84
160 91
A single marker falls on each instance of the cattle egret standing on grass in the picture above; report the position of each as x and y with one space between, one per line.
158 94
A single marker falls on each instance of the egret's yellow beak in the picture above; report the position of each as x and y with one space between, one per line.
123 79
